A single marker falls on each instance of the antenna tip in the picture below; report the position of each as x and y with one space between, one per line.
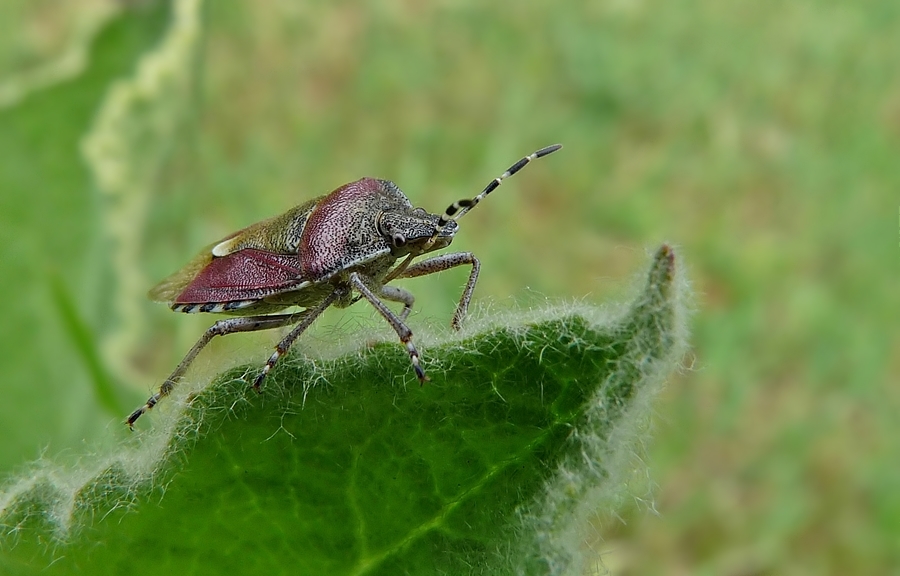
547 150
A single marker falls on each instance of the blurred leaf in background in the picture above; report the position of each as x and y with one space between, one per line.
761 137
57 389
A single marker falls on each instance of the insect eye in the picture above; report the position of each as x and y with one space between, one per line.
398 240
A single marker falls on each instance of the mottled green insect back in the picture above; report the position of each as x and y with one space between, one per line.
332 250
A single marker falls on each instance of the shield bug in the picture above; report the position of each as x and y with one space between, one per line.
331 251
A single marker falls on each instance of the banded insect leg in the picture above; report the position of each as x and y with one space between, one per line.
396 323
309 317
220 328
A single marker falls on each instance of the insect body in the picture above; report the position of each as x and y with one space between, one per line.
320 254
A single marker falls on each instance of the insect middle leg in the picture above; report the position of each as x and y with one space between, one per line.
220 328
396 323
395 294
446 262
309 317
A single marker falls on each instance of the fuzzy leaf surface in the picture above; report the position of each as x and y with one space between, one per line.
348 466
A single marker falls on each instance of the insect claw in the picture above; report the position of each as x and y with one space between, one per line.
151 402
133 418
257 383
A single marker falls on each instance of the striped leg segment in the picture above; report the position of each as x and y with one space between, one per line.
309 317
396 323
446 262
220 328
460 207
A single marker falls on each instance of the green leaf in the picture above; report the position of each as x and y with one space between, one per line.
53 281
347 466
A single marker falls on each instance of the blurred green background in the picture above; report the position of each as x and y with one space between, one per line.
761 138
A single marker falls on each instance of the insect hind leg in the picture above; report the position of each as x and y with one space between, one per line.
220 328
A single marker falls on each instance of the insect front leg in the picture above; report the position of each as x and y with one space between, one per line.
220 328
309 316
396 323
446 262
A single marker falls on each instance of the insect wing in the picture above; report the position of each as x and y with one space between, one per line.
247 274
